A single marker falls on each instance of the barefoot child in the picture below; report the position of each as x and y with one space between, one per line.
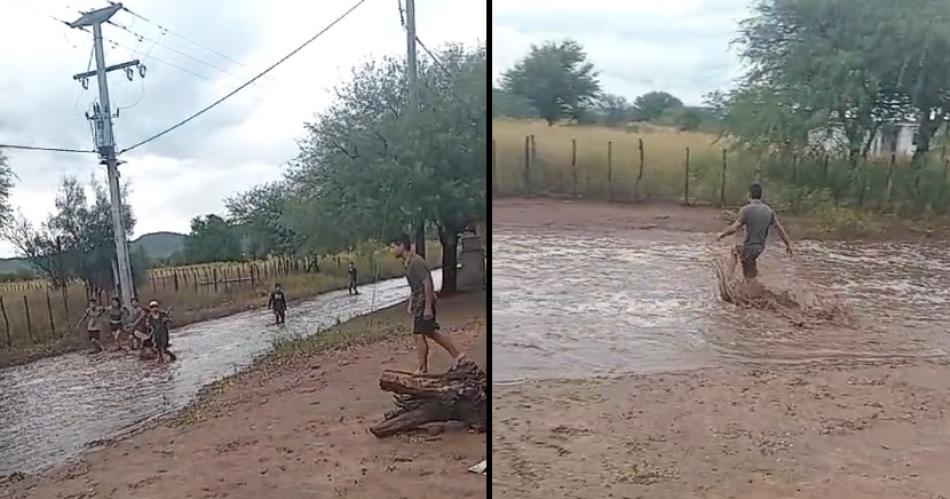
136 325
757 218
351 272
92 316
158 324
118 315
422 305
278 303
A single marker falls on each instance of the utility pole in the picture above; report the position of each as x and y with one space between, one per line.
412 81
105 140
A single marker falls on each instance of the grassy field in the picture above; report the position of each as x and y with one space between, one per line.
791 184
51 328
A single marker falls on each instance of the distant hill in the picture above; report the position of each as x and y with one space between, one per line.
159 245
13 265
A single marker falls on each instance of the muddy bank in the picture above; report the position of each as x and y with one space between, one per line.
854 431
293 426
622 217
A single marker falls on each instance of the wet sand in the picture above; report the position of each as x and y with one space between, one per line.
297 429
823 426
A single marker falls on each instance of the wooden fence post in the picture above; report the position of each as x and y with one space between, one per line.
494 169
610 170
534 149
214 275
686 180
66 302
574 167
175 274
527 166
29 321
722 183
636 186
6 323
49 311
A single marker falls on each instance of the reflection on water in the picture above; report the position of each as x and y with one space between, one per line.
575 304
51 409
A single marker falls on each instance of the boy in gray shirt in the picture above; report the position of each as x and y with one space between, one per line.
757 218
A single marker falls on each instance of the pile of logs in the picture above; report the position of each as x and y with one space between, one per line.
457 395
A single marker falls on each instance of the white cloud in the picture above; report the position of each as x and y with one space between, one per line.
680 46
243 142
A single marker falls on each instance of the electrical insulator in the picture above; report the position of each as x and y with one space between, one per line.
85 83
129 73
142 70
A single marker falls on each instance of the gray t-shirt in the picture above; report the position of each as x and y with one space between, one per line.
758 219
417 272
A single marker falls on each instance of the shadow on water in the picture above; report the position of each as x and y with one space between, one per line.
576 304
53 408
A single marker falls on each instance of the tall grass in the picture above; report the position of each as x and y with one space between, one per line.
792 183
38 337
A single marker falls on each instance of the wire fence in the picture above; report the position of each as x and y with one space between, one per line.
34 312
629 170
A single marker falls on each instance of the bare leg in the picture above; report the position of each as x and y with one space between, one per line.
422 352
733 261
447 344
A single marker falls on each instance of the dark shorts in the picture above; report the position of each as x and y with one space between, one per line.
747 257
93 334
160 340
115 327
421 325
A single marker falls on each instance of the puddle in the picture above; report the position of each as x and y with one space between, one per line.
578 304
51 409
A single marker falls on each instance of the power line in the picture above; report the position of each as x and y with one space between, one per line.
181 37
40 148
249 82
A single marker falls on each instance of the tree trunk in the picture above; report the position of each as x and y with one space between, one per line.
420 237
457 395
449 237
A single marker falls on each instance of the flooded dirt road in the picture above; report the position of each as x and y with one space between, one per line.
588 302
54 408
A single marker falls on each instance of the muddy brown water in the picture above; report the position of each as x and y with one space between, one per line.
52 409
573 304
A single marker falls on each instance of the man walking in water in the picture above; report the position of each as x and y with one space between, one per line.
278 303
351 271
757 218
118 316
422 305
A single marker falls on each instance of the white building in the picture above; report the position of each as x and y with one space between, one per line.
899 139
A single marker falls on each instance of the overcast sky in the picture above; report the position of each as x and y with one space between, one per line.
241 143
679 46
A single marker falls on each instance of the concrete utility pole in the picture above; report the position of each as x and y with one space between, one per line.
412 82
105 141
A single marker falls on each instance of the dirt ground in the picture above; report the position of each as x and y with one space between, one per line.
514 213
296 430
846 430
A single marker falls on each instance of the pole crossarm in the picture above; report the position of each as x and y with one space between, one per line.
114 67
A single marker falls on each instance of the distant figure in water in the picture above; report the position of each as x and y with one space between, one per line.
422 302
118 316
351 271
278 303
757 218
158 324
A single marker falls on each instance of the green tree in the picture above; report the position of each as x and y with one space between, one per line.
76 241
368 167
259 215
616 109
505 105
651 105
556 78
212 239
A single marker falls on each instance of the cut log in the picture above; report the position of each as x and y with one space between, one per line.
457 395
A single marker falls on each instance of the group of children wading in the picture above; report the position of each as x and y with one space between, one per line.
144 330
147 330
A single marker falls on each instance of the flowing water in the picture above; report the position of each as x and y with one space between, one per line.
53 408
578 304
